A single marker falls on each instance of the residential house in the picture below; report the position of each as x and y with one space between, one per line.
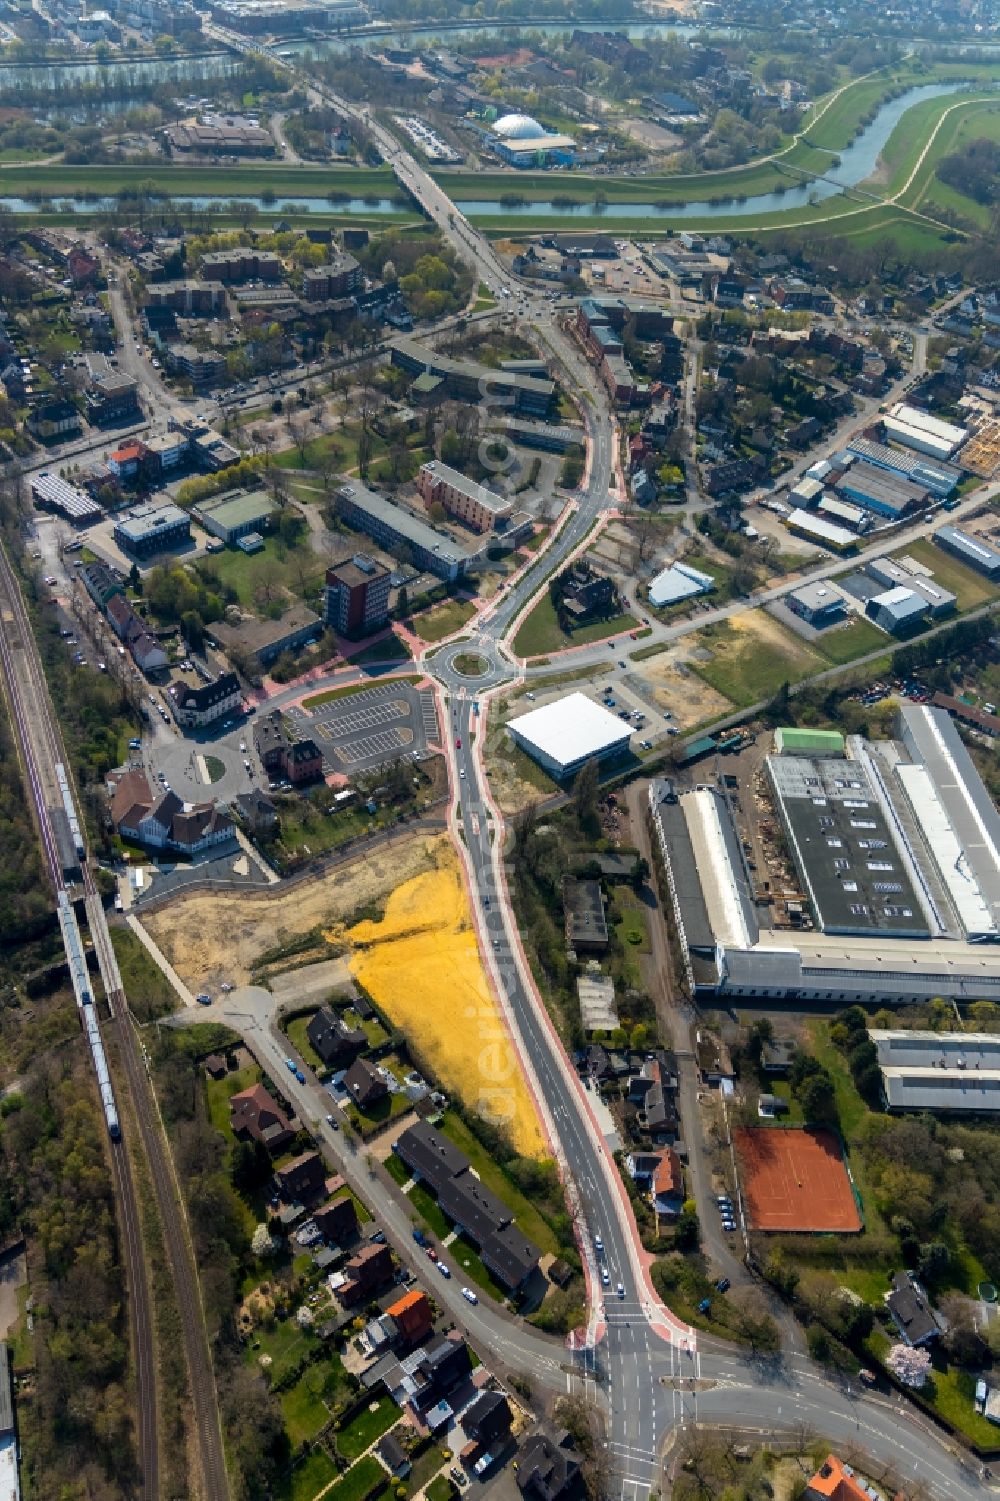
365 1084
584 916
413 1316
667 1185
195 708
488 1420
836 1481
911 1311
101 583
337 1220
776 1056
548 1469
147 653
257 811
365 1272
255 1116
302 1178
333 1039
508 1255
295 761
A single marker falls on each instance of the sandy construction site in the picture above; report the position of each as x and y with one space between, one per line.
421 966
210 937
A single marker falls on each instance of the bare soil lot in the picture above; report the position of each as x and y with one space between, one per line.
672 685
213 936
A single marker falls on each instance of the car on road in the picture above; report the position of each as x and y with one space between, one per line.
203 999
621 1289
290 1065
300 1076
51 579
469 1295
605 1277
458 742
598 1244
461 771
443 1269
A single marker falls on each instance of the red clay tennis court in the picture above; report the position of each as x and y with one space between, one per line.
795 1180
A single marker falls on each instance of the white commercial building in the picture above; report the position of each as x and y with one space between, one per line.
916 429
679 581
816 529
946 1071
565 735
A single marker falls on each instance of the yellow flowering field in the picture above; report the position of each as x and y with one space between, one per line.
421 965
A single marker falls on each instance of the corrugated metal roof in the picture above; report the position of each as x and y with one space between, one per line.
964 837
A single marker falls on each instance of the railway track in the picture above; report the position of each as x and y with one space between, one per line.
180 1254
40 749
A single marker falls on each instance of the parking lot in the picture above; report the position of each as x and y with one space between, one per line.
374 725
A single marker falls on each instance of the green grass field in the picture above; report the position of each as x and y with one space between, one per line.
747 667
845 643
388 649
540 632
303 1407
369 1426
296 1033
307 1479
220 1092
442 620
262 576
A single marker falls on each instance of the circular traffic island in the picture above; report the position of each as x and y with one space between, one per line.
469 664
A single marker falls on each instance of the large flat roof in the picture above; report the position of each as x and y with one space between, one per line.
571 729
956 815
844 851
939 1070
720 869
236 507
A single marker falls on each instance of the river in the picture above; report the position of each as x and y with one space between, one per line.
857 163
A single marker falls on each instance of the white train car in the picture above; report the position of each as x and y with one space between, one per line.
66 792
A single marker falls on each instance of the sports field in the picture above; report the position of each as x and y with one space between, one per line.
795 1180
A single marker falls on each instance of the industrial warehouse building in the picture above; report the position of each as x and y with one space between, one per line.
565 735
940 1071
820 605
842 847
971 550
881 491
939 478
897 849
917 429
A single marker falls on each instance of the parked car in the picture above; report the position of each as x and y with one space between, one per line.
290 1065
469 1295
705 1305
443 1269
203 999
432 1255
723 1285
300 1076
